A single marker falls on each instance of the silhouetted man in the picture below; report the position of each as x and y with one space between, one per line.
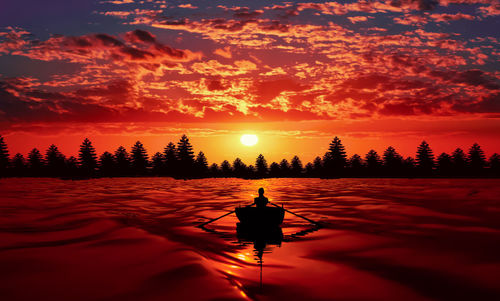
261 201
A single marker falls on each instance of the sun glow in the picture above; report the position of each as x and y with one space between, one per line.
249 140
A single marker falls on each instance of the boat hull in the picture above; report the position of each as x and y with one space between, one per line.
260 217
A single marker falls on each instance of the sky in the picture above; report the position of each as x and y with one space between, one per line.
296 74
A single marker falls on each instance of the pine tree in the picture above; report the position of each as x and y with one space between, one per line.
158 162
4 157
274 170
393 162
494 165
425 159
186 156
459 161
225 168
476 159
19 165
261 166
296 168
139 158
444 164
318 167
335 160
171 160
355 165
107 164
284 168
122 161
309 169
201 165
71 166
87 157
409 167
214 170
373 162
239 168
250 171
55 161
35 162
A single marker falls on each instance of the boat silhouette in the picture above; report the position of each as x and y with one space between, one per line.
264 217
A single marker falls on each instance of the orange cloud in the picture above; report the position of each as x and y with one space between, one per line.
224 52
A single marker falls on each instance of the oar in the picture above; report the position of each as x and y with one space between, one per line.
309 220
213 220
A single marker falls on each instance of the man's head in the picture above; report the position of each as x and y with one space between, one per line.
261 191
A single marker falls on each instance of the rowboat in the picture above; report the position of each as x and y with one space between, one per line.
265 217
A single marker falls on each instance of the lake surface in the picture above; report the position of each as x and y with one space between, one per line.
135 239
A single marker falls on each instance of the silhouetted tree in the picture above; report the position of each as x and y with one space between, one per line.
494 164
71 166
261 167
409 167
393 162
171 160
186 156
201 165
373 163
335 160
158 162
251 171
35 162
140 159
274 170
476 159
225 169
459 162
284 168
214 170
355 165
318 167
122 160
297 168
239 168
424 159
107 165
18 165
55 161
444 165
4 157
87 157
309 169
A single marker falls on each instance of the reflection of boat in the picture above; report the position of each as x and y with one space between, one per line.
260 217
260 237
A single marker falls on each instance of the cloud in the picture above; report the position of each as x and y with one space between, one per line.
416 4
81 49
451 17
224 52
491 10
357 19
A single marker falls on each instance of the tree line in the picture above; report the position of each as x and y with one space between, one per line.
179 161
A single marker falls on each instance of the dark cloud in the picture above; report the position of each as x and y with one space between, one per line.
142 36
267 90
420 4
474 77
215 85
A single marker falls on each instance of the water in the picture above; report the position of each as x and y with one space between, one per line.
135 239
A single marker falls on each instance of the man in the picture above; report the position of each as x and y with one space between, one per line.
261 201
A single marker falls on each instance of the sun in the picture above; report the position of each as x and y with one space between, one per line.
249 140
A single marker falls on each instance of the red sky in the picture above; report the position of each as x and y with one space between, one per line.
296 74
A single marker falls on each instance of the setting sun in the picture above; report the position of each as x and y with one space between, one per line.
249 140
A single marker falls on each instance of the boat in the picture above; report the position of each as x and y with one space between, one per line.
265 217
